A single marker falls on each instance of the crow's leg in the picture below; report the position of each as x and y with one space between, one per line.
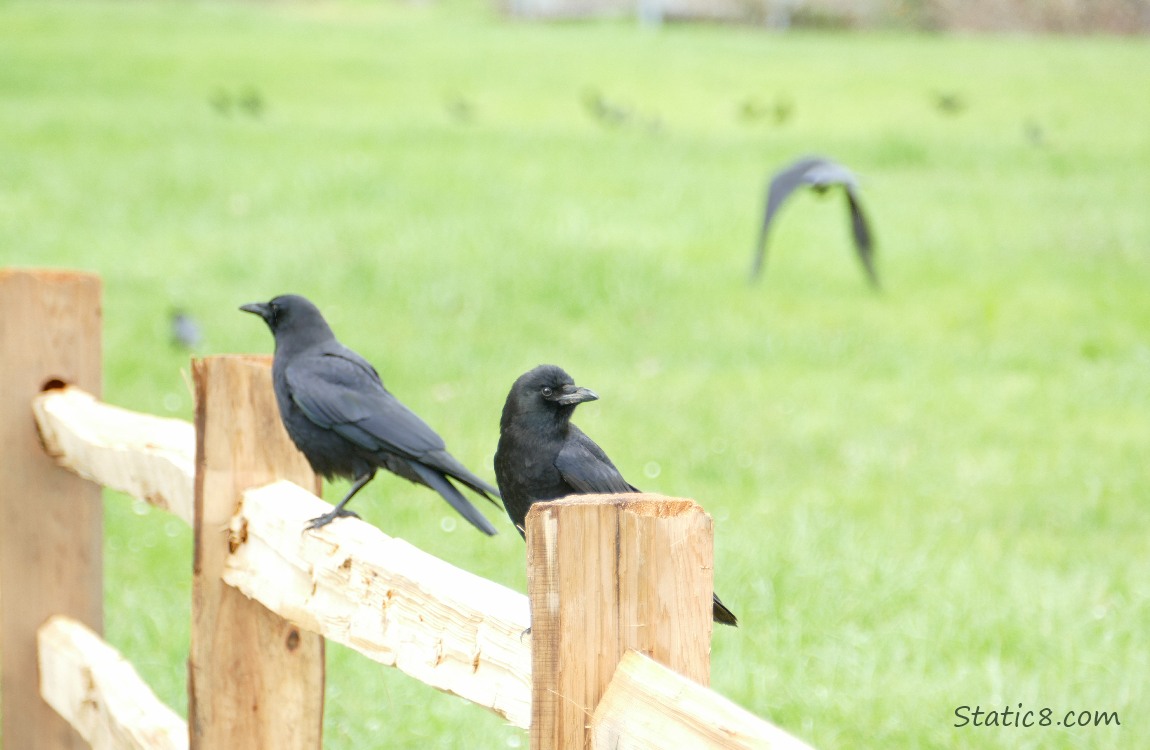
338 511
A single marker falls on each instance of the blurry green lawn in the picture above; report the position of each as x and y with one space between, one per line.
926 499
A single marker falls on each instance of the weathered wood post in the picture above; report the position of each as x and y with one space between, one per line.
51 521
255 680
608 573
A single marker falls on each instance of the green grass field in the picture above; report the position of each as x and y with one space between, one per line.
925 499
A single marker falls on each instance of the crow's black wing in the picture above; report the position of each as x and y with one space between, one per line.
341 392
864 243
783 183
344 394
585 466
826 174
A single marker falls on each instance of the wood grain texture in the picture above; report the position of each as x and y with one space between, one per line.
255 679
147 457
98 692
650 707
608 573
51 521
392 602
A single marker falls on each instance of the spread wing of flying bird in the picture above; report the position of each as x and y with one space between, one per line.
820 175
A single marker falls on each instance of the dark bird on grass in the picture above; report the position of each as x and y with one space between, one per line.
606 112
542 456
251 101
345 422
185 331
754 110
820 175
949 103
782 109
221 102
460 109
1034 133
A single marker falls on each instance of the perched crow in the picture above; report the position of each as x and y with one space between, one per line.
345 422
819 174
542 456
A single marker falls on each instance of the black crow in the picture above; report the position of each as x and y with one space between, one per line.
345 422
819 174
542 456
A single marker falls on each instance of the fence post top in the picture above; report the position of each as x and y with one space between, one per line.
256 359
639 503
49 274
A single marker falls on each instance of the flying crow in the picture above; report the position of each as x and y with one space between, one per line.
820 175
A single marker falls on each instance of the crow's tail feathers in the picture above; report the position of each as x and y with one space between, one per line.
722 615
449 465
438 482
491 494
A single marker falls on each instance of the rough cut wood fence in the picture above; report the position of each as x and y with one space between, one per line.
619 586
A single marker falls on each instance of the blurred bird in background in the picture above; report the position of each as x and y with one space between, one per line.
604 111
185 330
819 174
752 110
949 103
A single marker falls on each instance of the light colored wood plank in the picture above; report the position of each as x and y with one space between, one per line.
650 707
98 692
51 521
147 457
381 596
255 679
609 573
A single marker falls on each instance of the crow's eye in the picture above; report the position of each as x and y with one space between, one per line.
547 391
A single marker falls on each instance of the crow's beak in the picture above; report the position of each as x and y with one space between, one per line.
262 309
572 394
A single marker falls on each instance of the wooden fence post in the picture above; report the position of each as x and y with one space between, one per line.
608 573
51 521
255 680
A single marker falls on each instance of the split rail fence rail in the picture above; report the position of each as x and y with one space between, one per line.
619 652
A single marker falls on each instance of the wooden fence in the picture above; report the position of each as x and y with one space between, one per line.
619 586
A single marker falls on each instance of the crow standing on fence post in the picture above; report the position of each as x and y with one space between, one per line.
542 456
345 422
